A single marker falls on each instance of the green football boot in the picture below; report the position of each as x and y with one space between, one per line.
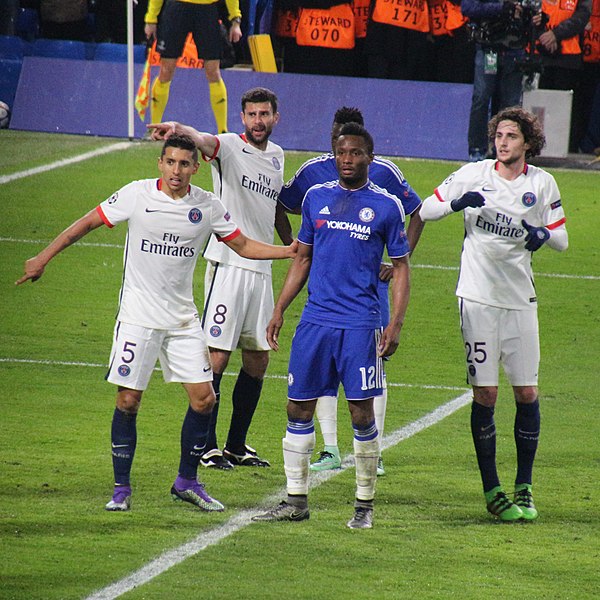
524 500
499 505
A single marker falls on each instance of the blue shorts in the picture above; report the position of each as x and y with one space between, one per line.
322 357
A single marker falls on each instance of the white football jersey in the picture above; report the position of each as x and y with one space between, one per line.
164 239
495 268
248 181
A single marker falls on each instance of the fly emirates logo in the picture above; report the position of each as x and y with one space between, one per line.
357 231
262 186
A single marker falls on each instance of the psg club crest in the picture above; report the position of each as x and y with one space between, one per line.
215 331
124 370
276 163
195 216
528 199
472 370
366 214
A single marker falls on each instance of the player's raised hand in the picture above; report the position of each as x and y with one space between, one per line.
163 131
536 236
468 200
34 269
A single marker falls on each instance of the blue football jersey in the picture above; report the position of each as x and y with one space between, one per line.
349 230
382 172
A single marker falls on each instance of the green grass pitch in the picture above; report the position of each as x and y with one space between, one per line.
432 537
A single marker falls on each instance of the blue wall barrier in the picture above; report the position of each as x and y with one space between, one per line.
406 118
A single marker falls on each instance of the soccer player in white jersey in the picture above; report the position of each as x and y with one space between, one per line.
388 176
247 176
346 225
510 210
169 222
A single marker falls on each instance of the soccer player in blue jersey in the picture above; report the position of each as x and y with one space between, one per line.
388 176
346 224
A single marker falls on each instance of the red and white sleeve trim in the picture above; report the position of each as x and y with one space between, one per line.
104 217
231 236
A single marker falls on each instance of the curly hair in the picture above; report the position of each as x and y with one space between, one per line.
528 123
346 114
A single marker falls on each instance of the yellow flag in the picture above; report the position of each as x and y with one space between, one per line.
143 94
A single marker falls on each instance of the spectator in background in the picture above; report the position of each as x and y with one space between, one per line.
497 79
397 39
111 21
451 53
588 96
318 36
8 16
562 56
64 19
178 18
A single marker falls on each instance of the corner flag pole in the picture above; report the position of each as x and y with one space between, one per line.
130 96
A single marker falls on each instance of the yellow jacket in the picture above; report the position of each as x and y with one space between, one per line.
154 6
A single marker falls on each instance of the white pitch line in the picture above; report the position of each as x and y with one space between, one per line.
242 519
414 266
64 162
71 363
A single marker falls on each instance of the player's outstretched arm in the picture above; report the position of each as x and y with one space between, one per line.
34 267
390 337
294 281
251 248
205 142
434 208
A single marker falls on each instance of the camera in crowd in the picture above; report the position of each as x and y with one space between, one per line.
514 29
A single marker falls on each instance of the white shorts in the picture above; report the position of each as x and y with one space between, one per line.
238 305
498 335
183 355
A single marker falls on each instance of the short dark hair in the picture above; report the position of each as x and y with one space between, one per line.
358 130
260 94
185 142
346 114
528 123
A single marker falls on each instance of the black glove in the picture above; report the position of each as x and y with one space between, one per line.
536 236
470 199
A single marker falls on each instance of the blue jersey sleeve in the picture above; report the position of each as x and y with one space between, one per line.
385 174
313 171
306 235
396 240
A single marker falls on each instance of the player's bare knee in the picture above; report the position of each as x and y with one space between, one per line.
202 397
486 396
525 394
255 363
129 400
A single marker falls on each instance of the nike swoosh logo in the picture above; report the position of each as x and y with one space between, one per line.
151 211
484 189
246 151
206 369
120 445
199 448
487 427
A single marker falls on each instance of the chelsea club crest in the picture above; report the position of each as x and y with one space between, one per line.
366 214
